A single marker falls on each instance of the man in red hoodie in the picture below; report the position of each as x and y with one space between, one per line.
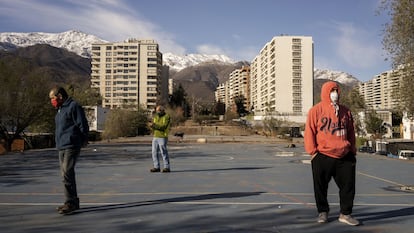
330 140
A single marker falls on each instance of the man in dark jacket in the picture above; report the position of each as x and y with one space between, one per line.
71 134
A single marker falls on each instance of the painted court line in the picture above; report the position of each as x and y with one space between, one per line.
200 193
381 179
202 203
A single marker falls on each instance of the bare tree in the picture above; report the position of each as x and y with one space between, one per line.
23 99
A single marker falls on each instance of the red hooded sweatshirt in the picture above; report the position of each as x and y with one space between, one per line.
327 132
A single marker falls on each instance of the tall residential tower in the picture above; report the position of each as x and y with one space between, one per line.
128 73
282 78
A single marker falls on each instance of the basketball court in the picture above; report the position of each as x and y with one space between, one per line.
213 187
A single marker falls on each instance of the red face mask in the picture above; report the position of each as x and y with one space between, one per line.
56 103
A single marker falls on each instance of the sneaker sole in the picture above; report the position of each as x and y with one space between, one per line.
346 222
68 213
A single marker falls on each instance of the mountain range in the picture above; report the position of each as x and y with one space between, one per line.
199 74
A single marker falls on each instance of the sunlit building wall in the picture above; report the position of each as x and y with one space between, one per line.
282 79
128 73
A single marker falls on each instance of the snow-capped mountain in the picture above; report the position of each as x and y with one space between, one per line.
74 41
177 62
337 76
81 44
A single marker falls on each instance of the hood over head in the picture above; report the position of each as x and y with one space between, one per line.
326 91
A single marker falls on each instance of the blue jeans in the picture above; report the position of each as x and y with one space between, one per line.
160 144
67 161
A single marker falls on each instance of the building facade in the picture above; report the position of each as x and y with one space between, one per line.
221 93
378 93
381 95
128 74
282 79
237 86
96 116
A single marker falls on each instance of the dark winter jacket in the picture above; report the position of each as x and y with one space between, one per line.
71 126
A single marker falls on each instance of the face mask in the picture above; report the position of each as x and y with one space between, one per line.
56 103
334 96
160 113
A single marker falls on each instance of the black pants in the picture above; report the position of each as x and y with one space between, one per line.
343 172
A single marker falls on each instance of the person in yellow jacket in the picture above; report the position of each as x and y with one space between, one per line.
161 127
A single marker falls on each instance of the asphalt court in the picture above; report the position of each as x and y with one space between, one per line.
213 187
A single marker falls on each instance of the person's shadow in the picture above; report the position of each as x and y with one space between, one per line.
404 212
166 200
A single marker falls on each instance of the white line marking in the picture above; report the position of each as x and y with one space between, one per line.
199 193
382 179
201 203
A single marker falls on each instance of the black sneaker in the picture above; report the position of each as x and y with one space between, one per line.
155 170
67 208
166 170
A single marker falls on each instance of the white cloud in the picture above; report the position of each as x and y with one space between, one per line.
323 63
210 49
357 47
110 20
247 53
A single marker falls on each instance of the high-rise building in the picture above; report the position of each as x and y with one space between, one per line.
128 73
381 95
379 92
221 93
237 86
282 78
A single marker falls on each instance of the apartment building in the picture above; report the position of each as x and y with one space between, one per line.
221 93
282 79
378 93
237 86
128 73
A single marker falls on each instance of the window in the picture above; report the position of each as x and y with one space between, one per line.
152 47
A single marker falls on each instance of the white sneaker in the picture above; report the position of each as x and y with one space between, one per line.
323 217
348 219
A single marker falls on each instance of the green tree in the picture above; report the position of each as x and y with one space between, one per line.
374 124
398 40
178 100
355 102
239 101
219 108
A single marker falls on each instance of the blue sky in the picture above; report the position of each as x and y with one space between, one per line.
347 35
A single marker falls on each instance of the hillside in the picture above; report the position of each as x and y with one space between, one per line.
201 81
60 65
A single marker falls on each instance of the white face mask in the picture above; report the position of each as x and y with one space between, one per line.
334 97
